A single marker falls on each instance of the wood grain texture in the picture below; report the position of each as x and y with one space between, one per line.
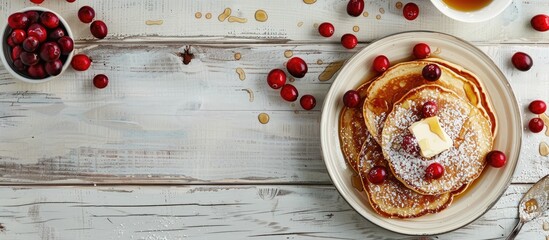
161 121
214 212
288 20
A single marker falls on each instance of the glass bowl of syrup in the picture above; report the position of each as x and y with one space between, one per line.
471 10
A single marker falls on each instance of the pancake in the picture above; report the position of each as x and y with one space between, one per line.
465 124
391 198
399 80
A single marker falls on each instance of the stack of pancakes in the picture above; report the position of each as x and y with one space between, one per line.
372 136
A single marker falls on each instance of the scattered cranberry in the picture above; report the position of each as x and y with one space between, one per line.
33 16
522 61
37 71
289 93
536 125
37 31
431 72
326 29
56 34
421 51
410 11
37 1
276 78
349 41
30 44
537 107
297 67
54 67
86 14
28 58
18 35
80 62
16 52
355 7
410 145
381 64
100 81
496 159
540 22
377 175
307 102
434 171
50 51
49 20
18 21
99 29
66 44
351 99
71 1
429 109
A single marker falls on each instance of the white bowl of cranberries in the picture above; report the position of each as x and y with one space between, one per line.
37 45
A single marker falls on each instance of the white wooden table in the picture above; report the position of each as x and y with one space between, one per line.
174 151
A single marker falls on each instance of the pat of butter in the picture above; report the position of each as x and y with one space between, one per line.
431 137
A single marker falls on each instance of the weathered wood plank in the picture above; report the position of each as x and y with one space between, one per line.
288 20
162 121
213 212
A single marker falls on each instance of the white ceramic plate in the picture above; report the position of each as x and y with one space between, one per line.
492 183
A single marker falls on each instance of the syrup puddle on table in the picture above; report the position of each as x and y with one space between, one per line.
154 22
250 94
288 53
330 71
309 1
237 56
544 149
241 74
198 15
237 19
261 15
356 28
263 118
208 15
224 15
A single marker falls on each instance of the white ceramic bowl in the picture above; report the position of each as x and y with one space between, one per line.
493 9
492 183
5 49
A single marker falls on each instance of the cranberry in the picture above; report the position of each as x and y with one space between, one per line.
80 62
30 44
429 109
100 81
410 145
71 1
355 7
19 65
86 14
351 99
66 44
50 51
37 1
326 29
540 22
434 171
431 72
99 29
536 125
307 102
17 36
54 67
537 107
18 21
496 159
381 64
410 11
16 52
37 31
56 34
297 67
289 93
522 61
29 58
37 71
377 175
349 41
11 43
49 20
276 78
33 16
421 51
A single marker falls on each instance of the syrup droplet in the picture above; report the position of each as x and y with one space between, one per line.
545 226
330 71
319 62
288 53
237 19
378 17
224 15
198 15
263 118
381 10
398 5
291 79
250 94
208 15
530 206
365 14
309 1
261 15
237 56
544 149
437 51
545 120
241 74
154 22
356 28
299 24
